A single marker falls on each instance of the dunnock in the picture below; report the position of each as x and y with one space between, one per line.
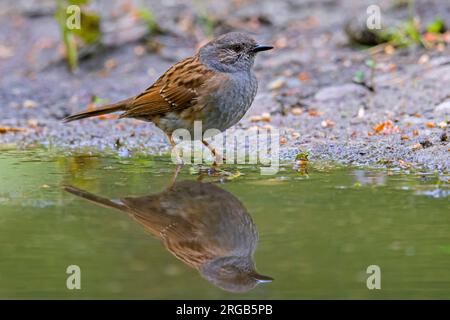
204 226
215 86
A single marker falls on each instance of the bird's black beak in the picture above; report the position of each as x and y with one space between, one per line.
259 48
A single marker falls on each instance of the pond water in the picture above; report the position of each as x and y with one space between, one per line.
135 234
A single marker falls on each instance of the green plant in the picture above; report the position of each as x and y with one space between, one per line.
359 77
407 34
437 26
88 31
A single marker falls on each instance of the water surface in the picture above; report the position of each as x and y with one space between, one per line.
318 232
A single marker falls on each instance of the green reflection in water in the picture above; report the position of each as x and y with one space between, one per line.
317 234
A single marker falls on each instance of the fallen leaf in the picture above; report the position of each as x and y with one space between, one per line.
304 76
33 123
4 130
385 128
108 117
430 124
296 111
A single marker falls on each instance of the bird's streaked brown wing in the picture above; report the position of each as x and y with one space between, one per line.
177 89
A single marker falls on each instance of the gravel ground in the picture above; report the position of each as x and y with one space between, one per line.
305 84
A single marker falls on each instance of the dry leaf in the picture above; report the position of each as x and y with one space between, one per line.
315 113
304 76
139 50
4 130
385 128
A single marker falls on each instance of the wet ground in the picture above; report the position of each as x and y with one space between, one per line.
305 84
142 236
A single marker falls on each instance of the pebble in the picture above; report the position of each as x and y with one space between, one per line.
340 92
443 108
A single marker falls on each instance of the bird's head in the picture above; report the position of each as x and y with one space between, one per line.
233 274
231 52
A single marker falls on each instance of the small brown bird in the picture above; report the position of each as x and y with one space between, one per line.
215 86
204 226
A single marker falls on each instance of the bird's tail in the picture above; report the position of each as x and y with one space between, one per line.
94 198
119 106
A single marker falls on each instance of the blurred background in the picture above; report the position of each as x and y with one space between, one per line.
330 80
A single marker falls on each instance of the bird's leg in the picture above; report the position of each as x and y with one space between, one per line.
176 150
218 158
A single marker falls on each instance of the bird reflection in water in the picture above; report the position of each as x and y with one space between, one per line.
204 226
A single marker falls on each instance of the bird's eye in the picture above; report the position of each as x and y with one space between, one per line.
236 47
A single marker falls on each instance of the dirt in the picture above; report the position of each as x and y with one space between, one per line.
306 83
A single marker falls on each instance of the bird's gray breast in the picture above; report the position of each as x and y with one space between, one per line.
231 101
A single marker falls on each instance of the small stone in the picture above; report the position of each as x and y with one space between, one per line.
296 111
389 49
266 117
29 104
139 50
442 124
33 123
327 123
277 84
111 64
6 52
424 59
